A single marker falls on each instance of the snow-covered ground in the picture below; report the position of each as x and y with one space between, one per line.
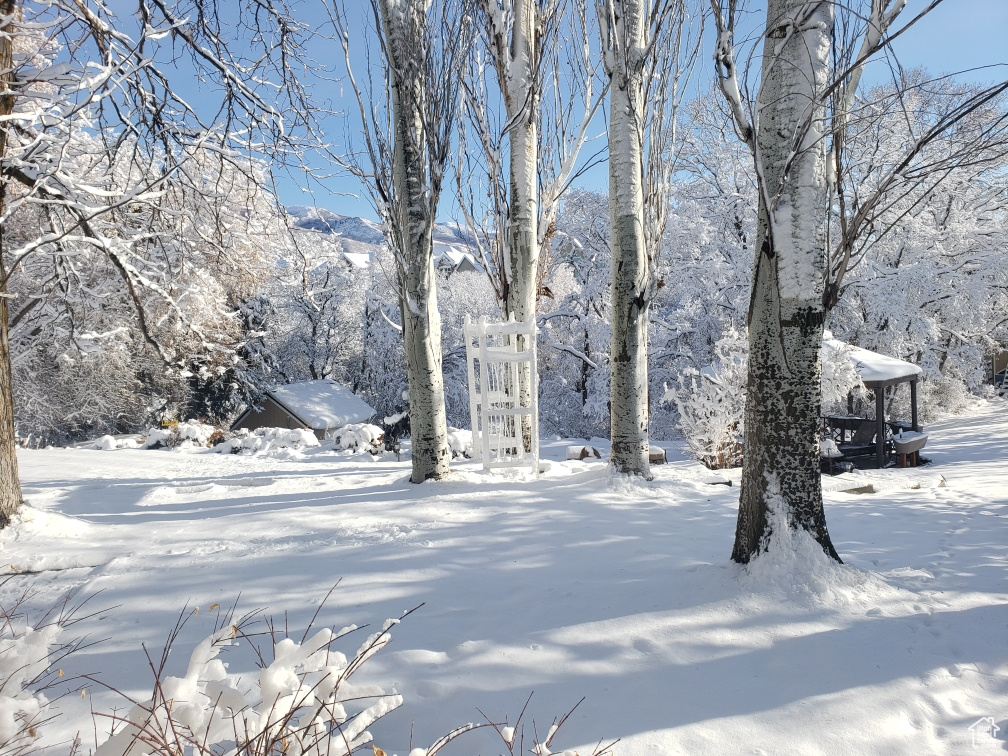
576 584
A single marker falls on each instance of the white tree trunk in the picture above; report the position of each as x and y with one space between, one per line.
523 250
414 257
514 50
787 313
522 103
631 269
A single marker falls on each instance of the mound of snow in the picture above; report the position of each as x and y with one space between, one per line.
360 437
460 442
158 437
185 434
268 439
194 433
105 443
794 565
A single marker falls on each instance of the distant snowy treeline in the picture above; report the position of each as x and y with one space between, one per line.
309 294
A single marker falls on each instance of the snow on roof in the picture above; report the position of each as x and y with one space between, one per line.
873 367
323 404
358 259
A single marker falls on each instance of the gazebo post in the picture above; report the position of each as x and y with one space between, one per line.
879 425
913 405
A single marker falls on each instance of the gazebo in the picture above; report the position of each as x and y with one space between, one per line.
878 372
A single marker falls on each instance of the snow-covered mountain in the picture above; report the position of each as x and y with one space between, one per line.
360 238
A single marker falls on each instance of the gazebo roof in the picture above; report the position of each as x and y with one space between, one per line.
875 370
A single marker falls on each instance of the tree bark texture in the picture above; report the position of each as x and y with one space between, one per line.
10 485
413 217
523 139
786 312
631 266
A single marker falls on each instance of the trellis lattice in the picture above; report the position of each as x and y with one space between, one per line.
497 354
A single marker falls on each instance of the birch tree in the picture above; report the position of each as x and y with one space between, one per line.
512 171
407 144
646 51
537 52
807 89
94 133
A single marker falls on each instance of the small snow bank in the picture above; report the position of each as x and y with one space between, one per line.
24 659
110 443
794 565
105 443
263 440
359 437
460 442
184 435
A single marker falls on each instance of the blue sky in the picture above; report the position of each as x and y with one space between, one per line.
956 36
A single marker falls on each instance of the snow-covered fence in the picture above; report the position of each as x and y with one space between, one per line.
496 360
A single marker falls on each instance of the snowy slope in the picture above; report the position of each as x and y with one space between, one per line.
575 584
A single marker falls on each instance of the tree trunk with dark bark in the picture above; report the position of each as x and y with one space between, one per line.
10 485
781 481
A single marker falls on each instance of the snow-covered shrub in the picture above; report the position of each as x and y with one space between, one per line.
839 376
158 438
194 433
301 700
359 437
185 434
24 657
711 404
936 398
266 439
460 442
29 659
513 735
106 443
574 328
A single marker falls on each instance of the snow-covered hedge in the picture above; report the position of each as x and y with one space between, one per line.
360 437
267 439
184 434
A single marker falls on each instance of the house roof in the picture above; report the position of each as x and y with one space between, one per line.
874 369
322 404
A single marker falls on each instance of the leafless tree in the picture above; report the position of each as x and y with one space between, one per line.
813 57
95 134
407 132
648 50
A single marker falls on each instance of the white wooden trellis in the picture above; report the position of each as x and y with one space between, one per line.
495 363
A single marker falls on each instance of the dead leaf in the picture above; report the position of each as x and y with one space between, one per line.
214 606
378 751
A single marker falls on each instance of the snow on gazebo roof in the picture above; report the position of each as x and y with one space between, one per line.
322 404
874 369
